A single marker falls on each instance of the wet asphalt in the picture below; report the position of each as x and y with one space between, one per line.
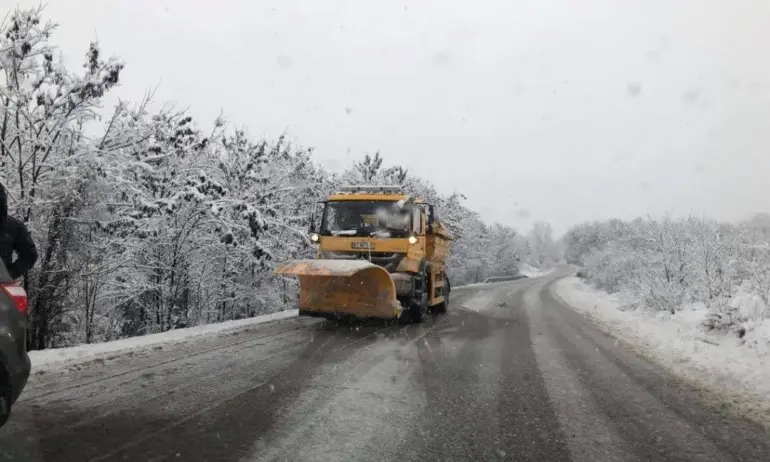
510 373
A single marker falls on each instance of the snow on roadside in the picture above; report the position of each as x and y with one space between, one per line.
61 357
532 272
471 286
526 270
721 362
481 284
480 301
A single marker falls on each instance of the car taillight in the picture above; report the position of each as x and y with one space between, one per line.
18 295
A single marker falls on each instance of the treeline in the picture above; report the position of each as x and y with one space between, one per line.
667 264
146 222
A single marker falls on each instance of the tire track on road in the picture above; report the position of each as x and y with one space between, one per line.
318 351
528 418
160 396
349 387
252 340
672 423
250 414
208 414
158 422
589 433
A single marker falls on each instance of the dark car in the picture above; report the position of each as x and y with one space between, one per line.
14 360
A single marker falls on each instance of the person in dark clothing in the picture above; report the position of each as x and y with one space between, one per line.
15 237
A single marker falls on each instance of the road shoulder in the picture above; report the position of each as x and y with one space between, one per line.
73 358
728 376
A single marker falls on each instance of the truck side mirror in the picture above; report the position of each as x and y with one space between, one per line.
313 213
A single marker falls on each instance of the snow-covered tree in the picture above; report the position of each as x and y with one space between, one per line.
45 159
147 221
666 263
543 248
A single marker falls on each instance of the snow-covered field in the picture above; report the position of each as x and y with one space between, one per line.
64 357
736 369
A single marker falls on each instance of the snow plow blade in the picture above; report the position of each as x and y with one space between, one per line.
352 287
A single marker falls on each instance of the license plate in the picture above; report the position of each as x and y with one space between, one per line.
362 245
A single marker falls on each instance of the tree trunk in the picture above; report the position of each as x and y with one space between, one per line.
40 314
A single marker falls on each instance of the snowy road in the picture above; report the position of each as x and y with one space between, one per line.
512 375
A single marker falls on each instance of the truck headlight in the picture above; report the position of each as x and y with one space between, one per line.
412 240
314 237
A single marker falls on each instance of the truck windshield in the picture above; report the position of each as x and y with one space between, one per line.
365 218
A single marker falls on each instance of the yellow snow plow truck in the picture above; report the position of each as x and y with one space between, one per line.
381 254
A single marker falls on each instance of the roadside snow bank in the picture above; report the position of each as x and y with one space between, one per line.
59 357
738 369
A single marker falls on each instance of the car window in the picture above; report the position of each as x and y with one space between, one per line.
5 276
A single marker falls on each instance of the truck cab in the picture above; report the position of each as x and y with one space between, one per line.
387 228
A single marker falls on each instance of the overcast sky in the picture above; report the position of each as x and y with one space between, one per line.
560 110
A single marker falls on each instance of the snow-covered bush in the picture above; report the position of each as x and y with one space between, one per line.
667 263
